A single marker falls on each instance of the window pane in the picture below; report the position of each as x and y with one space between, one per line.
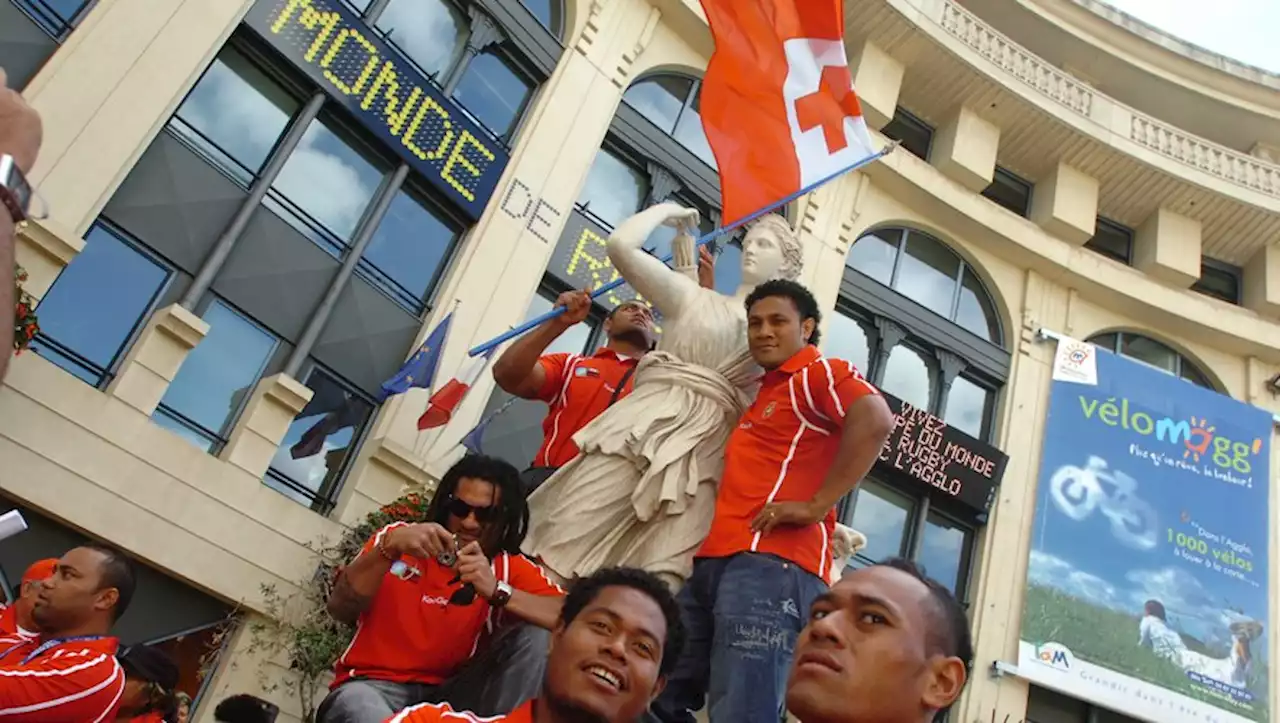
1046 706
428 31
516 433
942 551
408 249
493 92
319 440
1009 191
1194 375
1149 351
1105 341
614 190
915 134
98 299
1112 240
874 253
968 406
238 110
328 180
881 514
1220 283
907 376
847 339
546 11
975 311
927 274
690 134
220 372
729 267
660 99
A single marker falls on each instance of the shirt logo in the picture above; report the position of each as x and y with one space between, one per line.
404 571
768 410
585 372
434 600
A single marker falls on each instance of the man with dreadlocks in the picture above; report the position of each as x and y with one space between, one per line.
446 610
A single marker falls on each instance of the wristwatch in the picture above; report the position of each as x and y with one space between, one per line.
501 595
15 192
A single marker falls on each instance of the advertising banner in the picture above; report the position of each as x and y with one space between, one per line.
1147 580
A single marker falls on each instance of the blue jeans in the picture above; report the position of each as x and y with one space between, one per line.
743 614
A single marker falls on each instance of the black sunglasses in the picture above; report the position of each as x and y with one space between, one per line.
462 510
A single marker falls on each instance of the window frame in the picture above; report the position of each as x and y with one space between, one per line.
906 118
1012 179
48 20
108 373
1220 267
1181 361
1117 228
695 89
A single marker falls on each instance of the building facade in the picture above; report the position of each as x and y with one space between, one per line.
258 210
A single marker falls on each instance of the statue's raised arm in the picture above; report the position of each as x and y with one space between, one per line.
669 291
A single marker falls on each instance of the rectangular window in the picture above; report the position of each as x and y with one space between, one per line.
98 304
1009 191
916 135
1112 240
1219 280
215 381
407 253
56 17
494 93
319 445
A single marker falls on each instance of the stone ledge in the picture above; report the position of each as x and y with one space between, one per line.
44 249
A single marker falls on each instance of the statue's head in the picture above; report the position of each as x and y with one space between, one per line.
770 251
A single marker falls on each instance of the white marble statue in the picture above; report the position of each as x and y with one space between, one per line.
642 490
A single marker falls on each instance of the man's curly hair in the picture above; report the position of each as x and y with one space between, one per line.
587 589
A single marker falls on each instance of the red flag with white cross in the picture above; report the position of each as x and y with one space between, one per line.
777 102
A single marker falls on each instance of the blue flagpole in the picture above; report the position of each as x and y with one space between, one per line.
702 240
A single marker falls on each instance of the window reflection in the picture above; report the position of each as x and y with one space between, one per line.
319 441
690 134
493 92
408 249
942 550
237 114
874 254
968 407
907 377
430 32
927 274
516 433
847 339
1149 351
219 373
329 181
975 311
881 514
614 190
548 12
98 301
660 99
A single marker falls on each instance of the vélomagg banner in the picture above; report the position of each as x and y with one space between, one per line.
1147 583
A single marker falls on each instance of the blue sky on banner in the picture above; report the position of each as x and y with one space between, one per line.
1191 528
1244 30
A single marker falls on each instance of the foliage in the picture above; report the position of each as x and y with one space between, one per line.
299 628
1109 638
25 324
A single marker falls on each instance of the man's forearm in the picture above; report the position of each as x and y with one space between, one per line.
7 283
540 610
356 585
867 424
517 362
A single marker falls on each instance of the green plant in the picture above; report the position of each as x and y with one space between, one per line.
299 628
25 323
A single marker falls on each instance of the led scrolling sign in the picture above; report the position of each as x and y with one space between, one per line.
387 94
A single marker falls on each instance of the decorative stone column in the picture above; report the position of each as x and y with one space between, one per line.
274 403
154 360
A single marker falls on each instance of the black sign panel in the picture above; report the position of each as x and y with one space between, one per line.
387 94
581 260
926 449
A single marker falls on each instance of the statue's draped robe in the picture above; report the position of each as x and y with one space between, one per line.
641 491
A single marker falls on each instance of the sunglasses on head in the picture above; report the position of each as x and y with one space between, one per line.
462 510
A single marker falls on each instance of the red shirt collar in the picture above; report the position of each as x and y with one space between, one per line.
798 361
605 352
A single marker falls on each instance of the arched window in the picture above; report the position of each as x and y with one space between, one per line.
670 102
1153 353
918 322
548 12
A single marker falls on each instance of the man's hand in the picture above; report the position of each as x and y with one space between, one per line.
706 268
21 131
577 305
423 540
794 514
474 567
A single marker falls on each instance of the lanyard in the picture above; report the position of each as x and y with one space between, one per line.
46 645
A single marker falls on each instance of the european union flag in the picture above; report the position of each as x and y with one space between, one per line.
420 370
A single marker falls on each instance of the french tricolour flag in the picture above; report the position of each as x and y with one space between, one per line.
446 400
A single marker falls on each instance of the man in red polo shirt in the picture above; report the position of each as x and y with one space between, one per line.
15 619
577 388
618 637
69 673
446 610
812 433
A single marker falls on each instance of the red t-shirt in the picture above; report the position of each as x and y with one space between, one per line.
780 452
433 712
154 716
411 634
9 623
67 681
578 389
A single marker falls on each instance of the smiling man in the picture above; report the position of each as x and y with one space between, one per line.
618 637
885 645
447 609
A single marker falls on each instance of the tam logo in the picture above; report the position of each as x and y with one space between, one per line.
1054 655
